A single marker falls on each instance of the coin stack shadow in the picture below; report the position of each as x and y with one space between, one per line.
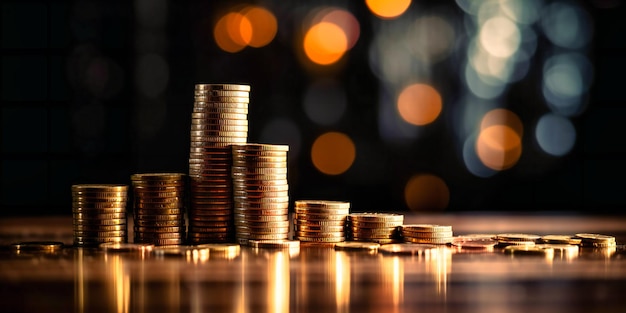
321 221
382 228
159 208
219 119
261 192
427 234
99 214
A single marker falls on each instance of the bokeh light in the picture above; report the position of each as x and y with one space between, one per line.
566 77
500 37
419 104
555 134
227 27
252 26
388 9
263 26
472 162
499 147
430 38
333 153
502 117
346 21
426 192
325 43
566 25
325 102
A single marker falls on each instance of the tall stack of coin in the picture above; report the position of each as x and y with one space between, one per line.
261 192
99 213
427 234
219 119
321 221
382 228
159 208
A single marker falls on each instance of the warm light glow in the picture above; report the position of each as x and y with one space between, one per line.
333 153
342 281
500 37
388 9
348 23
419 104
499 147
503 117
227 27
278 279
325 43
263 26
426 192
252 26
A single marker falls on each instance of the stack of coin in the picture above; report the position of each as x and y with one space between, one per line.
261 192
219 119
516 239
321 221
159 208
427 234
99 213
560 239
596 240
382 228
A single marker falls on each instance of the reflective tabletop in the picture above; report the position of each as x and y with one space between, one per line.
318 278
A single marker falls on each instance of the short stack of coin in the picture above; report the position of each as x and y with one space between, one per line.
596 240
516 239
427 234
321 221
159 208
261 192
219 119
382 228
99 213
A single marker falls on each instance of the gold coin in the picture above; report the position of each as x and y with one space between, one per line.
259 147
247 182
247 200
426 235
99 227
246 159
320 217
166 242
220 105
103 216
261 211
300 233
321 239
597 238
259 170
98 210
262 224
433 241
374 224
143 236
318 229
217 133
323 211
376 217
99 195
238 87
321 223
166 223
427 228
262 230
159 217
209 109
257 177
322 204
84 241
220 128
100 234
260 194
100 187
560 239
221 99
517 237
221 93
256 165
158 176
262 236
97 221
157 183
209 218
261 218
381 241
218 121
166 229
259 206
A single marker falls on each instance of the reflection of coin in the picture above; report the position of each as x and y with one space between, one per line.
274 244
43 246
357 246
126 247
408 249
529 250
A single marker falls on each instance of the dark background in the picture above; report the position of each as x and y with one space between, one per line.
72 113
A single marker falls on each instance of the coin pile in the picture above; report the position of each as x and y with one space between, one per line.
516 239
219 119
320 220
159 208
596 240
382 228
99 213
261 192
427 234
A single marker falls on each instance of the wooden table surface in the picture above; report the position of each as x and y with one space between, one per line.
320 279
